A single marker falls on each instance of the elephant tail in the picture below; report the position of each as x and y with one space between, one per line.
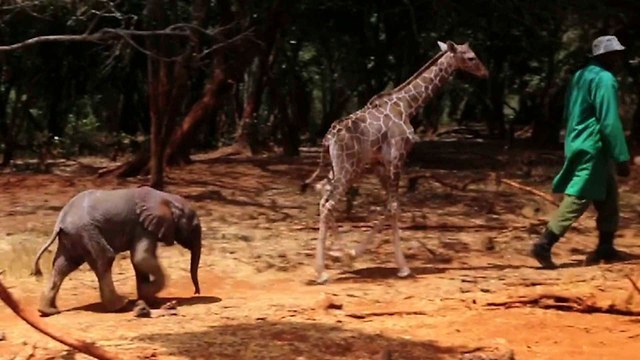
36 265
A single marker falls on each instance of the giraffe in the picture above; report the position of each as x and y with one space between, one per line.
379 136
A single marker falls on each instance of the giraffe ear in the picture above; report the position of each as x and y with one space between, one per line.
448 46
452 47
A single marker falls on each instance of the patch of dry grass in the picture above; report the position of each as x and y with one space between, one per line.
18 251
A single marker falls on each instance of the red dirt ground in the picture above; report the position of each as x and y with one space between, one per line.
467 248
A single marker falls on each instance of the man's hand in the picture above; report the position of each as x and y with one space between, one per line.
623 169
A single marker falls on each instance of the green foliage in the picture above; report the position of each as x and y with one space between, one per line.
330 57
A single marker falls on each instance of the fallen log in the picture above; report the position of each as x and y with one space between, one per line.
79 345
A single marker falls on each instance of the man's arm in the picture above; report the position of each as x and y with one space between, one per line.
606 107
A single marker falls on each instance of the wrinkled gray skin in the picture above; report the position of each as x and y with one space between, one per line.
97 224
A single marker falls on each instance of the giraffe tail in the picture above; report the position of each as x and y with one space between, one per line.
324 161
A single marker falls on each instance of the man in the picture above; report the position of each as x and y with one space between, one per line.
595 148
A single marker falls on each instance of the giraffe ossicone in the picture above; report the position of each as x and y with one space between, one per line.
379 136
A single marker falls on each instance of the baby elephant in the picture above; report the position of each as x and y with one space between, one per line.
97 224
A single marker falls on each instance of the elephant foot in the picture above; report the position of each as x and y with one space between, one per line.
47 305
117 302
48 311
148 291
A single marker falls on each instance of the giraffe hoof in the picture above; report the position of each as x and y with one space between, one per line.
322 279
404 272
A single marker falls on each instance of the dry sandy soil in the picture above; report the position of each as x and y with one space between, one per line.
467 247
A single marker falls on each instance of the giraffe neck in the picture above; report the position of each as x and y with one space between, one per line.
415 94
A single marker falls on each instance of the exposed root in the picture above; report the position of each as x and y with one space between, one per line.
364 315
136 166
531 190
231 150
566 303
421 227
79 345
633 283
413 182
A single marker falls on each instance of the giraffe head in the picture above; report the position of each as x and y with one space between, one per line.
465 59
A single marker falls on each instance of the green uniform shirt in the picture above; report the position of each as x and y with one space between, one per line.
594 136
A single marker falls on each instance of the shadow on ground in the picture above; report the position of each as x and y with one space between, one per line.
181 301
295 340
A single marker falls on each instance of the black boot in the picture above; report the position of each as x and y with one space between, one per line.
605 252
541 249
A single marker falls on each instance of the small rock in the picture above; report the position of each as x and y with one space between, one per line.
171 305
466 288
499 353
2 336
328 302
488 243
141 310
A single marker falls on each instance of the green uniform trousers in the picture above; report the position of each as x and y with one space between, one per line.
572 208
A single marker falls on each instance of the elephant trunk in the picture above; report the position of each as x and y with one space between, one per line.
195 259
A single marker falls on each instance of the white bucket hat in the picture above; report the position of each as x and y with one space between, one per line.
605 44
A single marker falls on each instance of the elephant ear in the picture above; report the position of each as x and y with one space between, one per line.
156 213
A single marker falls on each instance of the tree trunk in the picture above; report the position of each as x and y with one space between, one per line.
5 128
156 166
257 76
157 89
12 128
170 142
497 98
200 112
300 110
635 121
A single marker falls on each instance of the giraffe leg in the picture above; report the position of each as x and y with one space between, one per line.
327 222
394 214
377 225
331 223
333 239
325 219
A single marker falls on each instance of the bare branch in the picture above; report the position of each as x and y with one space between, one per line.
18 6
211 33
243 35
147 52
107 33
52 38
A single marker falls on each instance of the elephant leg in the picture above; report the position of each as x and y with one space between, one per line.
150 278
63 265
100 259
